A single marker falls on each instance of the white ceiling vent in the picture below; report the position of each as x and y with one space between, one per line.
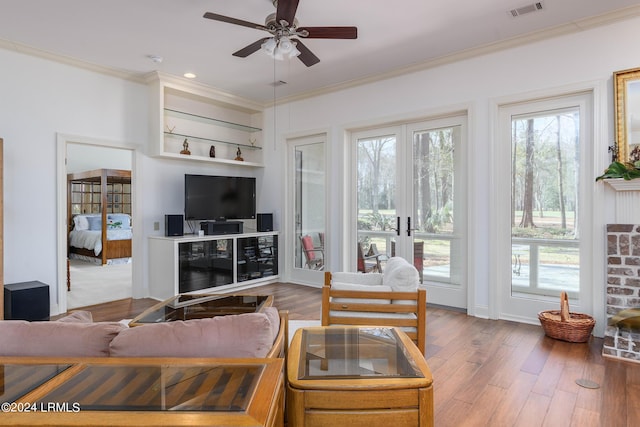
534 7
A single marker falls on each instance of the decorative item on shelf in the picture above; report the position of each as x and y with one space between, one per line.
627 171
185 146
170 130
252 141
239 155
212 151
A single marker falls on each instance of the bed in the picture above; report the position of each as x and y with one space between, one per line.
99 214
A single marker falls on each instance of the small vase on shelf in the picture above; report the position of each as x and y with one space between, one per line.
212 151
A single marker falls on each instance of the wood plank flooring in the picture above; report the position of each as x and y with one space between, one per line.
489 372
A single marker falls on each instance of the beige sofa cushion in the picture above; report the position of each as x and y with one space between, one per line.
65 339
242 335
274 321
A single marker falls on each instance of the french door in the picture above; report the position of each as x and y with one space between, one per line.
408 200
306 223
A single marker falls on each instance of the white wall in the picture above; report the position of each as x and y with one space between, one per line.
83 157
40 99
584 59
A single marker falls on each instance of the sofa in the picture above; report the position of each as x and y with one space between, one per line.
391 298
249 335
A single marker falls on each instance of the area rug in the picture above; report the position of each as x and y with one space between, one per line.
96 284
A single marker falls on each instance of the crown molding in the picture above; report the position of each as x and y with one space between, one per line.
548 33
74 62
565 29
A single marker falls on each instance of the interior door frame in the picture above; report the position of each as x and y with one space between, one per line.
137 270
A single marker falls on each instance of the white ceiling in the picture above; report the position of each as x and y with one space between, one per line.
393 35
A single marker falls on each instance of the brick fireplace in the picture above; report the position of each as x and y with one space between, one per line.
623 289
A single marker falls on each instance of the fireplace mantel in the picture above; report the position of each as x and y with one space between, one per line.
626 194
620 184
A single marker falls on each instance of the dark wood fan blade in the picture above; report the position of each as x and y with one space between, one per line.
248 50
306 56
287 10
235 21
330 32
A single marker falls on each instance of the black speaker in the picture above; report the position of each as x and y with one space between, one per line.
264 222
174 225
212 228
26 301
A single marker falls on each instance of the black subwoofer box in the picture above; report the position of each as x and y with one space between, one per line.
26 301
174 225
264 222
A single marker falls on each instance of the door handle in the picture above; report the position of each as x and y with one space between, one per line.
409 229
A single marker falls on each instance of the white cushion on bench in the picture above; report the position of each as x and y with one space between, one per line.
370 279
360 288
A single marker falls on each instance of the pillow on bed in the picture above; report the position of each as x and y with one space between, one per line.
80 222
95 222
118 221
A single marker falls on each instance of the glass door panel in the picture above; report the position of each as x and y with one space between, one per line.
307 224
377 218
439 213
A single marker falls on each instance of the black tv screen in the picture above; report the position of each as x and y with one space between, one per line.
216 198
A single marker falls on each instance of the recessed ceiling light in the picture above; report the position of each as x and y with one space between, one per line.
190 75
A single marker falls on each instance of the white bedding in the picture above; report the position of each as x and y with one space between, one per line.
92 239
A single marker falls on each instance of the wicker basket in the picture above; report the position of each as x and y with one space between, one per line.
564 325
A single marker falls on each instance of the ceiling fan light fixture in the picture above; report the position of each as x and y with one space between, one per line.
269 46
285 45
280 47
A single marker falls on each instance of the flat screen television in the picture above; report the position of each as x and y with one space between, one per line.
218 198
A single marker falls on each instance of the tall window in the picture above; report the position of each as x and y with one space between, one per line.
545 202
541 177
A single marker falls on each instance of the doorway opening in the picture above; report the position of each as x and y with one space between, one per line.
96 208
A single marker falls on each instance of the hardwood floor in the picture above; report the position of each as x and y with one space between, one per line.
489 372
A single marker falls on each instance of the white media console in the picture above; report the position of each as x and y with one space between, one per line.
190 263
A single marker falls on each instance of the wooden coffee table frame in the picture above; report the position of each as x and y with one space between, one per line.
265 406
359 401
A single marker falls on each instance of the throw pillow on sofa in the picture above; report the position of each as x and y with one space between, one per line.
56 339
242 335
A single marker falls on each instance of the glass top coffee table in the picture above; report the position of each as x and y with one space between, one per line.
201 306
141 391
376 375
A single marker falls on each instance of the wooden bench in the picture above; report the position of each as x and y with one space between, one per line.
397 313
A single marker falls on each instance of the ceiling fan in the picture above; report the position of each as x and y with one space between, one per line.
285 33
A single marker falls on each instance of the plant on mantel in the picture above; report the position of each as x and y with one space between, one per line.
626 171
